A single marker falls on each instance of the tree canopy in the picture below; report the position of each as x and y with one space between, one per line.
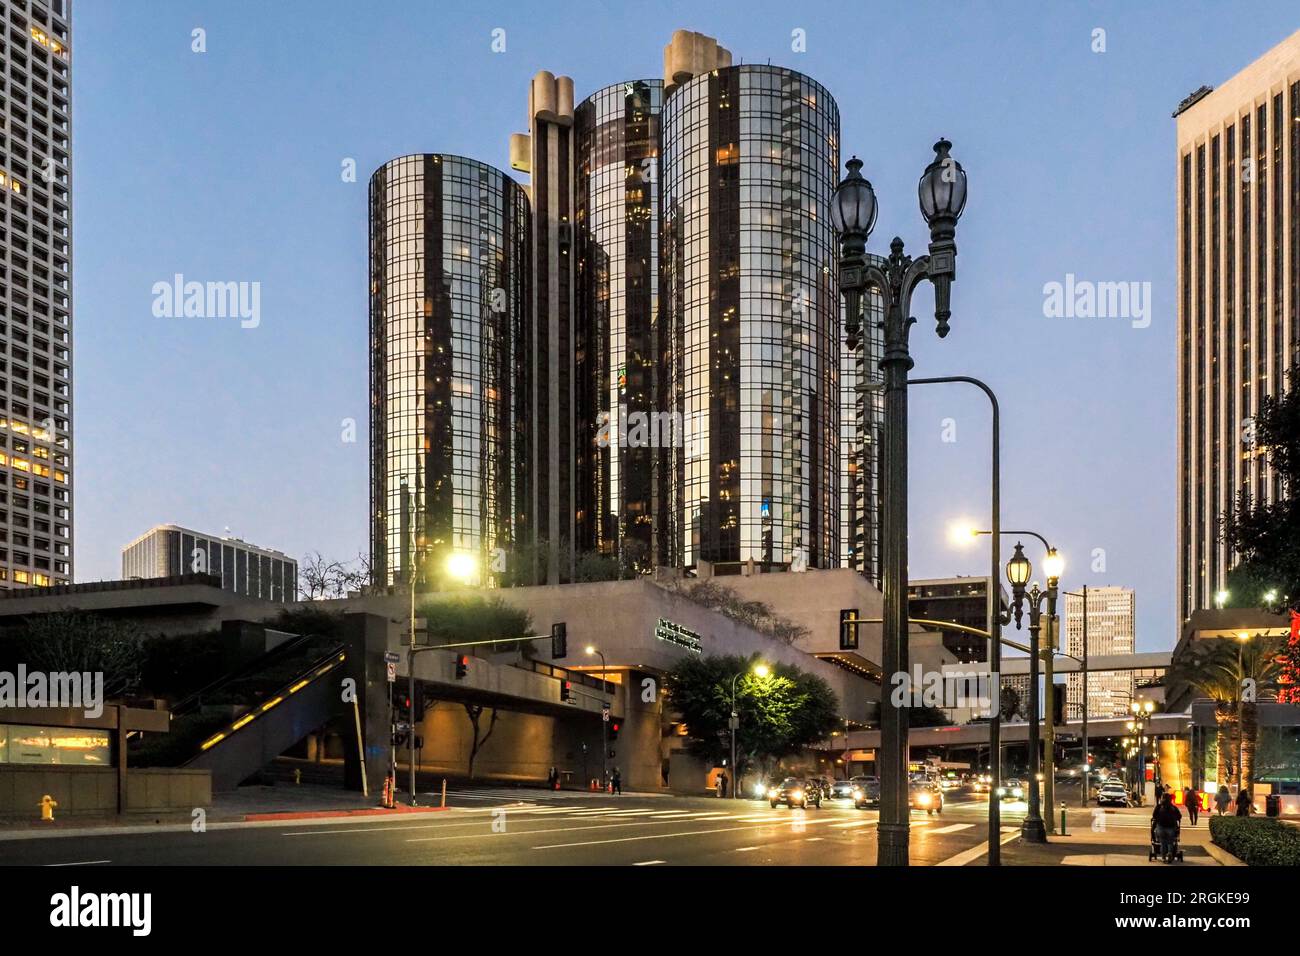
780 714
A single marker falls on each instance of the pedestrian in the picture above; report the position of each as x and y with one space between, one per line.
553 779
1165 820
722 784
1223 799
616 780
1191 800
1243 803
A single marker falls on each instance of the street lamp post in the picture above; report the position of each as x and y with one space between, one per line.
993 611
758 670
1018 573
942 194
604 721
1142 710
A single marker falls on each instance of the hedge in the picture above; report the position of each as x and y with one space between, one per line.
1257 841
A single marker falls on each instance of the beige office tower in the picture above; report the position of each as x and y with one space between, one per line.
552 347
36 294
1238 323
1111 630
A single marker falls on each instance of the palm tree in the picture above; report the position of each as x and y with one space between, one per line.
1233 674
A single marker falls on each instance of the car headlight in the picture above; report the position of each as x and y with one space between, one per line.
923 799
797 795
1017 792
1002 791
857 794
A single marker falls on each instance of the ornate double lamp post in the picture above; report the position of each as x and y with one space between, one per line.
942 192
1019 571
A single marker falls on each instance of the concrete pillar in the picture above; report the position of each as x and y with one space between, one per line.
638 752
366 636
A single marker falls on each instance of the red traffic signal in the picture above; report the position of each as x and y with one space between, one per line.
462 665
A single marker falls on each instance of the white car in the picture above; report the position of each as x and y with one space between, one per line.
1112 793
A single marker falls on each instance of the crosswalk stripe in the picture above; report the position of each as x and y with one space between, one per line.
952 828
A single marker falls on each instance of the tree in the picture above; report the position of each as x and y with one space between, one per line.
68 641
475 712
780 714
1265 537
320 578
1232 675
460 618
753 614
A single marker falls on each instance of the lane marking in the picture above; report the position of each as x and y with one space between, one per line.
650 836
854 823
649 862
745 849
80 863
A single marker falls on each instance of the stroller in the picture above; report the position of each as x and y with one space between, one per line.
1175 854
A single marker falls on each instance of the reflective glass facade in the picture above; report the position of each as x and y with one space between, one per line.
617 134
449 240
749 305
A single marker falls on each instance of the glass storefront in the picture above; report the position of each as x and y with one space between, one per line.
55 746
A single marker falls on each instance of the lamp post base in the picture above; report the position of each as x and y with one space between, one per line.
1033 831
892 845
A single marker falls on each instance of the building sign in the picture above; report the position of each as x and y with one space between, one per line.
666 630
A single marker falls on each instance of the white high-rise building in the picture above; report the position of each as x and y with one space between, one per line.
35 293
1111 630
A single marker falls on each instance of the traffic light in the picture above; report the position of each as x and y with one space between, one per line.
402 709
849 629
613 731
566 693
462 666
559 640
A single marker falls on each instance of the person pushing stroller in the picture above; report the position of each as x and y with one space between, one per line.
1166 821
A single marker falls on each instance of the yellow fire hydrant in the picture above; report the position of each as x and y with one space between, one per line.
48 804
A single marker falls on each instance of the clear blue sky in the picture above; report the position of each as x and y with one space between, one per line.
226 166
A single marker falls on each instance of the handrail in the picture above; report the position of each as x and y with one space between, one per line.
319 668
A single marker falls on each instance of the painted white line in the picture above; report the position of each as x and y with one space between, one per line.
975 852
746 849
854 823
649 862
80 863
813 839
953 828
648 836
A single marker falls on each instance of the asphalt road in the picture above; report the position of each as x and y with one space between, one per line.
524 828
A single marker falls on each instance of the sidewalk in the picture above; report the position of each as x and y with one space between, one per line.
1108 837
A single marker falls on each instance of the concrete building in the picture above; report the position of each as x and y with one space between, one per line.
448 306
241 568
1238 222
36 294
1111 630
959 600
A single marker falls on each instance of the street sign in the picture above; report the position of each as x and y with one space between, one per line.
604 712
733 722
391 657
392 672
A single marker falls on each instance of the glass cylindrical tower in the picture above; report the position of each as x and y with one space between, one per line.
750 314
449 240
617 141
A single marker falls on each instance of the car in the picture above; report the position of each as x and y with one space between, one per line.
950 781
822 784
925 796
981 783
842 789
795 792
1011 789
866 792
1112 793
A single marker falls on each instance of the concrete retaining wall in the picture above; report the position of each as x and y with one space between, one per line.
92 791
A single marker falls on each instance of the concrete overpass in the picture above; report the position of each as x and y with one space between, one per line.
976 734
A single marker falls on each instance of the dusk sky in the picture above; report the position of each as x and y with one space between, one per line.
226 166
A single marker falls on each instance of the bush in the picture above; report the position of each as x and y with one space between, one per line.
1257 841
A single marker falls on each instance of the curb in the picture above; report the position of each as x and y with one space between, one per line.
1222 856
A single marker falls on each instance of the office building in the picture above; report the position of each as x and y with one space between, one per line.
862 411
958 600
448 301
169 550
1111 616
749 312
36 294
1238 172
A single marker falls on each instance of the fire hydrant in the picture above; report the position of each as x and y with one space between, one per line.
48 804
297 777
